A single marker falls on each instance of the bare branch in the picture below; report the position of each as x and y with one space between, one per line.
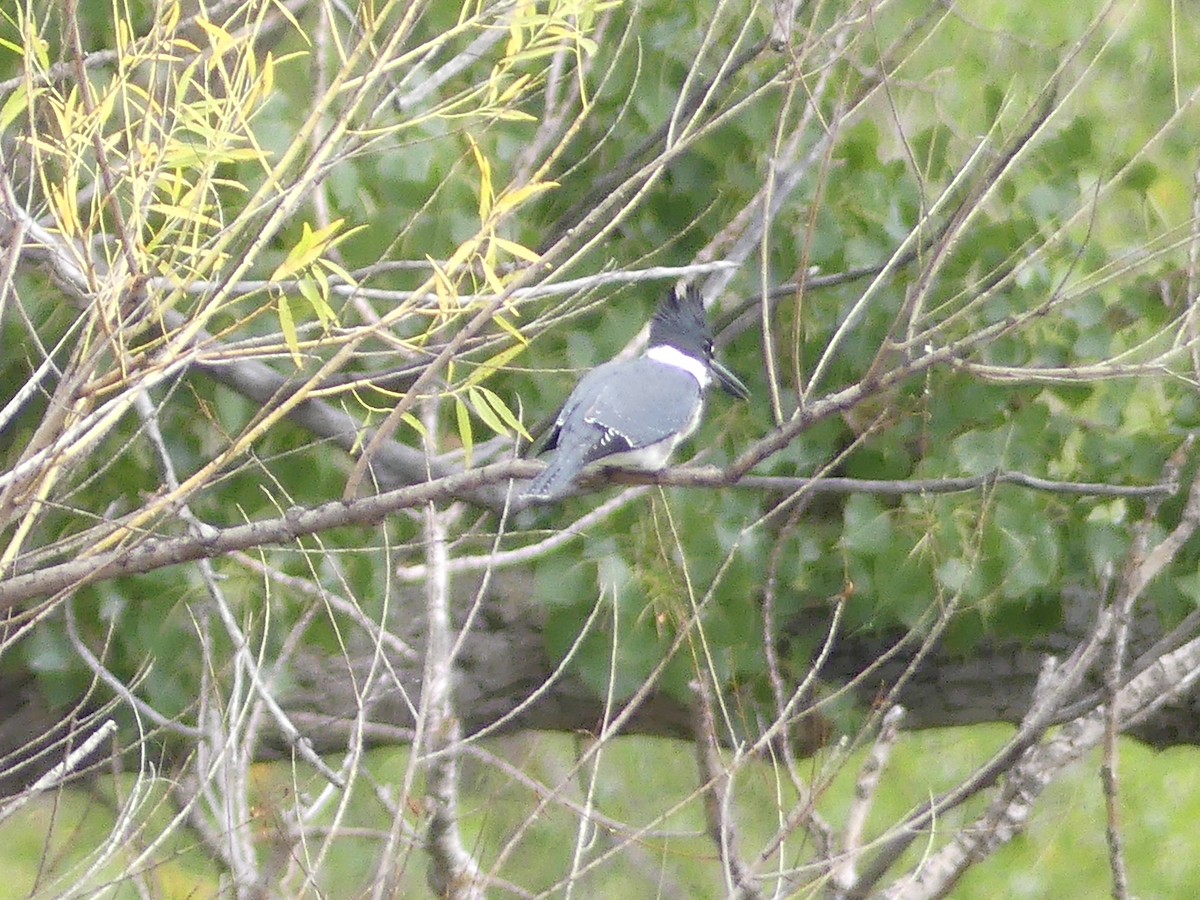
63 770
453 872
844 875
718 796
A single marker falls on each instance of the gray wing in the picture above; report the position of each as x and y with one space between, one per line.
629 404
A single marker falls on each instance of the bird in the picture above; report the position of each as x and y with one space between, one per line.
634 412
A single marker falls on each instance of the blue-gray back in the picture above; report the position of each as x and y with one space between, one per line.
639 401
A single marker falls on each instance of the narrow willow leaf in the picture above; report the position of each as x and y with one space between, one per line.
315 294
486 191
514 115
185 213
446 293
489 367
518 250
484 410
512 199
514 91
504 412
67 213
489 270
41 49
220 39
462 253
464 431
288 324
341 273
308 249
16 104
511 328
417 425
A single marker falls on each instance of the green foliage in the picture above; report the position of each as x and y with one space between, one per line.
1001 552
442 191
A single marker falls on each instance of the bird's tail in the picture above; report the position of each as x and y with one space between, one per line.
557 477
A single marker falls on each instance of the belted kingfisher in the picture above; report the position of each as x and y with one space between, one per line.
634 412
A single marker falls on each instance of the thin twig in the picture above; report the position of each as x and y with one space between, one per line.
1123 609
1011 808
500 559
1174 675
62 770
739 879
199 529
147 553
453 871
844 874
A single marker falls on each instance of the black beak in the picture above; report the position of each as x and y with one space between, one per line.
729 382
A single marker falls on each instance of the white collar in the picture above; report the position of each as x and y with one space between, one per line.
670 356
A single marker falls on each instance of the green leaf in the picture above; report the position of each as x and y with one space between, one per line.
954 574
340 272
315 292
1189 587
464 430
416 424
16 104
489 367
288 325
485 412
868 528
487 194
993 102
511 200
510 419
309 248
980 452
1140 177
860 146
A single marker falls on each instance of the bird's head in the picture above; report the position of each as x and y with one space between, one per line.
681 322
